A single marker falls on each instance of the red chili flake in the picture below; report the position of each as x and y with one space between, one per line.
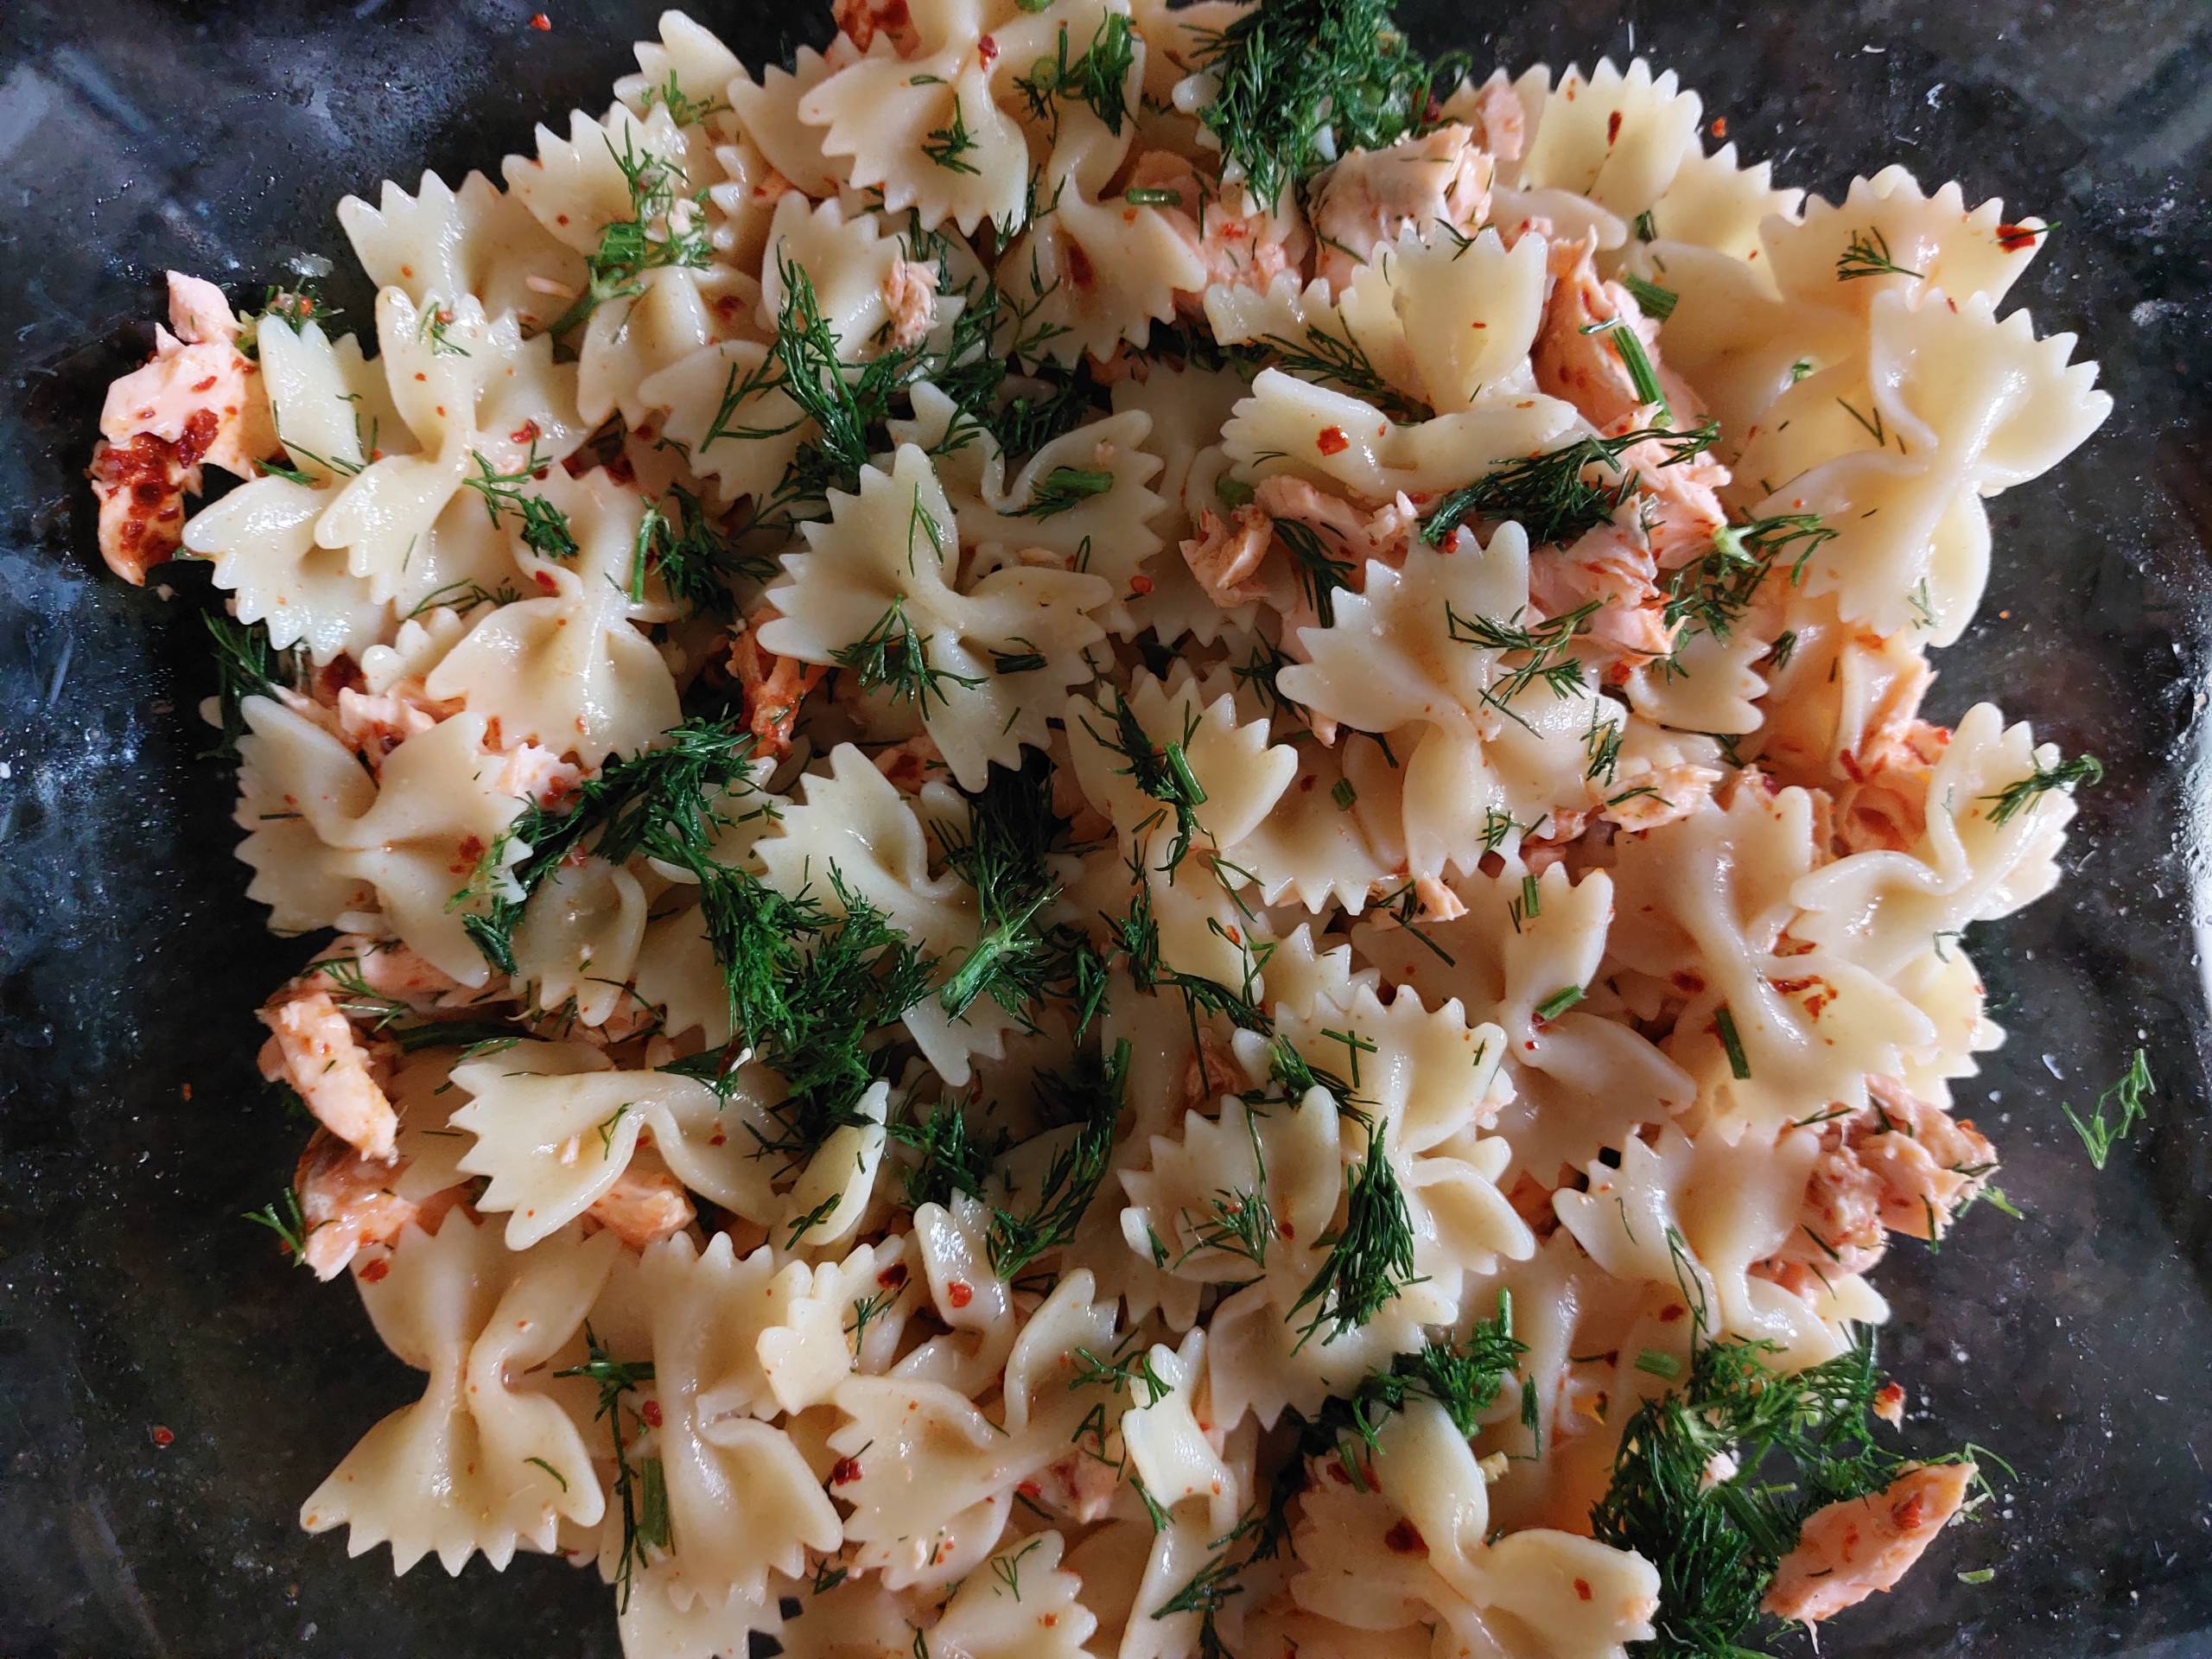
163 1436
1079 266
208 384
185 1092
1405 1539
893 1276
1332 440
541 23
1139 584
1284 1229
544 579
198 437
1030 1489
472 848
1582 1588
1337 1473
526 433
844 1471
651 1412
1612 128
1720 126
716 1139
959 1294
2013 237
1911 1514
987 51
1672 1311
374 1273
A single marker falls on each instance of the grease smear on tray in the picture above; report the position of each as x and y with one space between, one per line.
1121 834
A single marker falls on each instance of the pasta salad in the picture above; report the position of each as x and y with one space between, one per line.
1118 835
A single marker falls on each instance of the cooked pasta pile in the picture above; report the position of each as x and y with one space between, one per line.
1121 835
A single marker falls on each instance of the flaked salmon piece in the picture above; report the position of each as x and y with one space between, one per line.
1851 1550
910 296
374 726
393 970
348 1204
645 1205
1884 807
1612 565
197 400
1501 124
538 774
862 21
773 687
1210 1072
1365 199
1680 509
1383 533
313 1047
1226 555
1240 242
911 762
1437 902
1077 1484
1576 358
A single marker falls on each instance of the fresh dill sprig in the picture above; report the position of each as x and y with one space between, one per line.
289 1225
1301 81
695 560
1463 1375
2017 797
247 665
1019 960
1163 773
948 145
2128 1094
1713 595
891 654
641 1492
1371 1257
685 110
947 1157
1867 254
1542 647
1798 1443
1099 77
1320 355
1319 574
1090 1094
664 230
545 529
1551 496
1642 377
463 597
1065 488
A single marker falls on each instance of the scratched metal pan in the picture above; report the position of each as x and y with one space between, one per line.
168 1394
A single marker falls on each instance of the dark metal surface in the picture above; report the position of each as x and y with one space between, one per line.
216 137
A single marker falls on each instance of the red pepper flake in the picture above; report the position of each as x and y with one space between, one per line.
1908 1516
651 1412
1332 440
1582 1588
526 433
844 1471
185 1091
1671 1312
987 51
541 23
893 1276
198 437
1612 128
2013 237
1720 126
1405 1539
208 384
472 848
374 1271
1030 1489
162 1435
1139 584
959 1294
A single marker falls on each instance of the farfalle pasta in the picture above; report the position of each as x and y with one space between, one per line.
1132 838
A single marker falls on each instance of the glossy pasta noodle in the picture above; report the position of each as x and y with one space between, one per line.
1102 869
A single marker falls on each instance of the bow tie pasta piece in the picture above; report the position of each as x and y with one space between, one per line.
1083 498
332 411
652 1626
327 843
1177 1460
1974 406
1335 837
1552 1593
1618 138
1701 1213
843 1316
1430 649
570 670
577 944
1990 848
478 402
768 115
1702 904
742 1502
687 72
1146 756
1580 1082
441 243
553 1145
1024 1606
1715 203
1344 443
488 1459
881 589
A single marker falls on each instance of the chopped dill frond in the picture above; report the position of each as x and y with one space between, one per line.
1551 496
1370 1256
665 229
2017 797
2129 1094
